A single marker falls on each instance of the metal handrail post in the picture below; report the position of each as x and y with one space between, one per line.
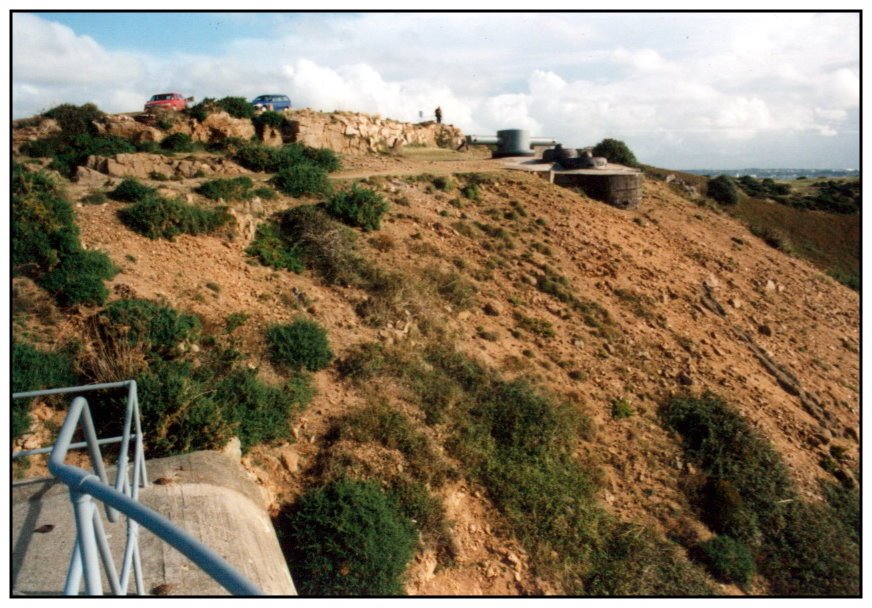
106 554
74 572
83 506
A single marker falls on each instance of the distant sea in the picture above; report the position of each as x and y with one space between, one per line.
778 173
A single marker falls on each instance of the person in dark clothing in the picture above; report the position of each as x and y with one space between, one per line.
438 115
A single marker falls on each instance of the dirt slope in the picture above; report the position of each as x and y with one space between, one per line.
698 303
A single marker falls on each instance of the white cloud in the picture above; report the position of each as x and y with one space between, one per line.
662 83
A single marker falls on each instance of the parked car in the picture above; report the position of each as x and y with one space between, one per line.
167 101
271 102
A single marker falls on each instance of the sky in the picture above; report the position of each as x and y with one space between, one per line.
683 90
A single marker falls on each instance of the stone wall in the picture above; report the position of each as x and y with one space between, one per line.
353 133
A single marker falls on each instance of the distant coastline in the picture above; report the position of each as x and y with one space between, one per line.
778 173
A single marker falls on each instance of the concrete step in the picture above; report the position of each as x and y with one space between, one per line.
205 493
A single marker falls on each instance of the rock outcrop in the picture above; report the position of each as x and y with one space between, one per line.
353 133
149 165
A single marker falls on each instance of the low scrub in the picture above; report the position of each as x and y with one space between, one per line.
228 189
158 327
177 142
774 237
69 152
130 190
157 217
237 107
33 370
301 179
616 151
45 242
276 120
746 493
299 345
305 236
723 190
75 120
347 539
729 560
79 278
359 207
259 157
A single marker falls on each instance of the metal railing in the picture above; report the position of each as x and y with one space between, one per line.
92 546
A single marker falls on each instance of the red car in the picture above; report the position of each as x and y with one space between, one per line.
167 101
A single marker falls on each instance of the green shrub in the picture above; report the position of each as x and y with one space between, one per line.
324 245
78 279
130 190
347 539
265 192
443 184
230 189
359 207
237 107
621 408
159 327
272 250
300 179
43 223
177 142
452 287
157 217
179 414
268 119
262 413
258 157
616 151
299 345
723 190
148 147
774 237
75 120
34 370
94 198
729 560
69 152
804 549
471 192
201 110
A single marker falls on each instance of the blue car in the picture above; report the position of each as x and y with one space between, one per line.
271 102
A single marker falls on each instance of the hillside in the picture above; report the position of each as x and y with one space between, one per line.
509 360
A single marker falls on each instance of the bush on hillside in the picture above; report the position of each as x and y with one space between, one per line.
201 110
359 207
79 277
157 217
177 142
347 539
69 152
258 157
75 120
616 151
301 179
237 107
229 189
729 560
723 190
34 370
268 119
272 250
160 328
299 345
130 190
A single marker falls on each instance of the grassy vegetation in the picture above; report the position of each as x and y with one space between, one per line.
32 370
360 207
729 560
518 443
177 142
228 189
298 345
157 217
802 548
301 179
269 118
45 242
159 328
130 190
259 157
616 151
347 538
723 190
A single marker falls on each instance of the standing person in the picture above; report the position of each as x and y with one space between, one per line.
438 115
